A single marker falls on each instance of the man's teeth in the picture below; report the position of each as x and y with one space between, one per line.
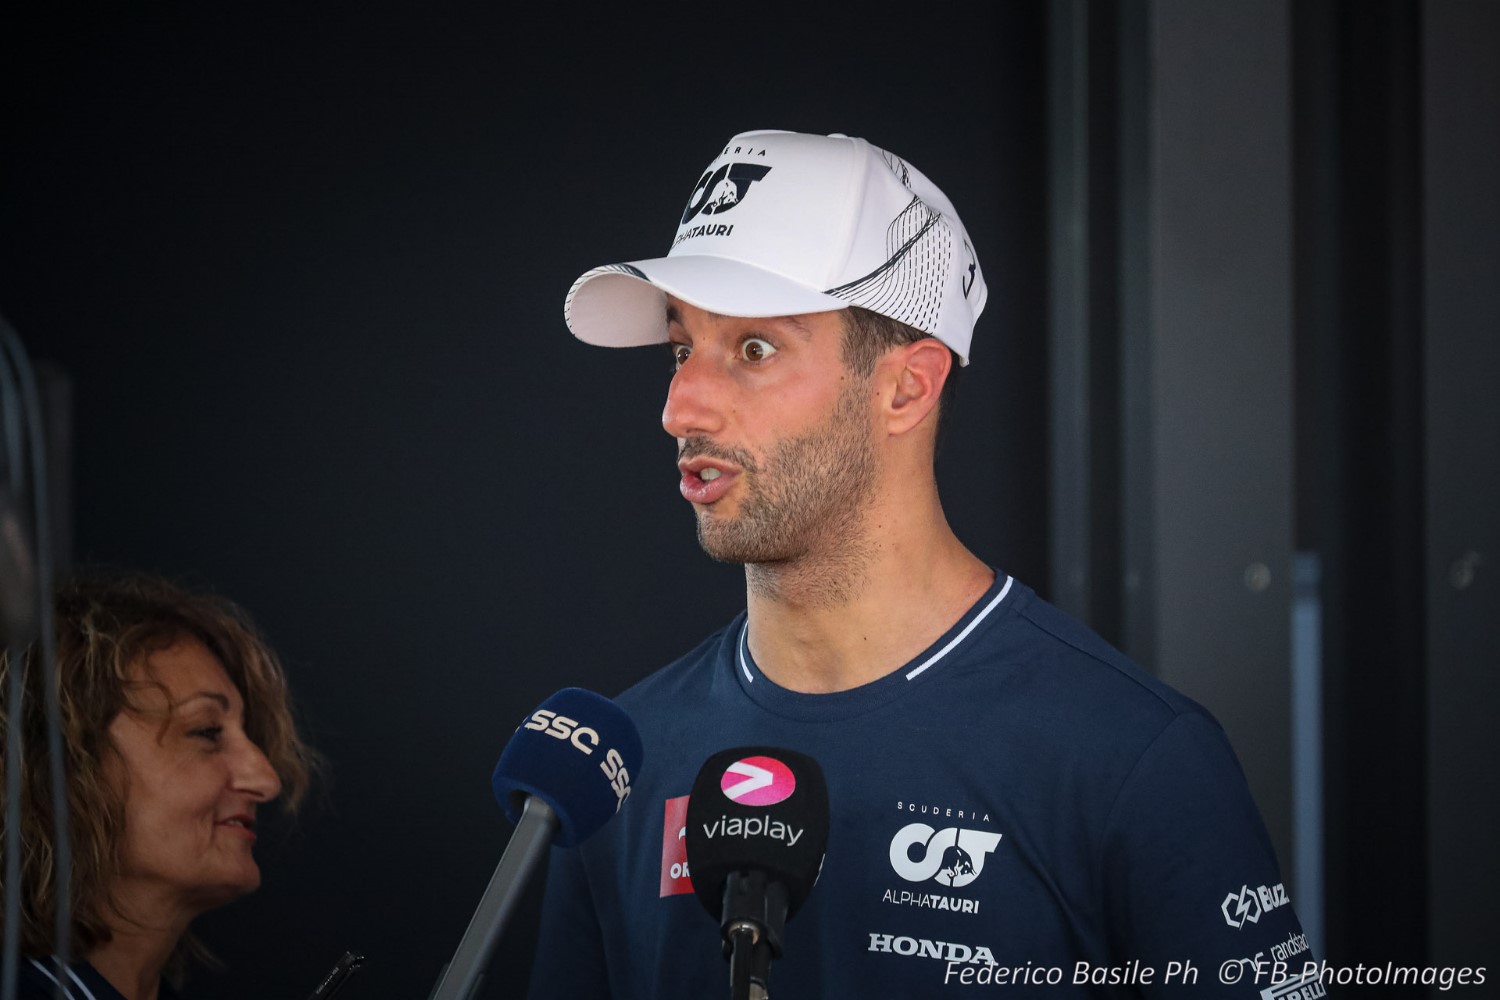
709 475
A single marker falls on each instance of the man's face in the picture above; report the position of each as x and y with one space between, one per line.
774 435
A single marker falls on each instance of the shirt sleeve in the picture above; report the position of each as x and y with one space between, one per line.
570 945
1192 887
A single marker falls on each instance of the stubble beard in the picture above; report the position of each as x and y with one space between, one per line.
801 527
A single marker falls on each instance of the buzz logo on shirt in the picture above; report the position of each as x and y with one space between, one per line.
1247 905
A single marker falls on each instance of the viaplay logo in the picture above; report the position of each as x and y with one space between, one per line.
758 781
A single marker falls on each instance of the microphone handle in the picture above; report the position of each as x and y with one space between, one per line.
742 938
760 970
749 962
523 854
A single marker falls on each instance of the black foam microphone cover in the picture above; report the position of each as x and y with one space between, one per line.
760 810
577 753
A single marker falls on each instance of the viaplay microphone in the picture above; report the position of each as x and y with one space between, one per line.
757 828
561 777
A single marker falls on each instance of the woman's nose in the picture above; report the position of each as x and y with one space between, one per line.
254 773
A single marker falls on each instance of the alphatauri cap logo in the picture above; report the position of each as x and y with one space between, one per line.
720 190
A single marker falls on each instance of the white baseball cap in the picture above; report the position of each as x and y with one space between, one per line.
785 223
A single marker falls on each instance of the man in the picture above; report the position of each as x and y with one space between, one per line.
1010 796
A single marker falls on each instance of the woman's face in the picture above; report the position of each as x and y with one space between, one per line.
192 780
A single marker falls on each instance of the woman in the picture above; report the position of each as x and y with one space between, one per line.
178 731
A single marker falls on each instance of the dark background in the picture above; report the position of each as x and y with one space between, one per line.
304 268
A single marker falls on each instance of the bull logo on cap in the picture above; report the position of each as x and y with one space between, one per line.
722 189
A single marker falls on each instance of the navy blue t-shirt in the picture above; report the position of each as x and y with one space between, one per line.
37 980
1100 818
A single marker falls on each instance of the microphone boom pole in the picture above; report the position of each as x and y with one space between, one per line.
563 775
523 855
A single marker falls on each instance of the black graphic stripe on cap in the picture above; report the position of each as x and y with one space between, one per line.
908 287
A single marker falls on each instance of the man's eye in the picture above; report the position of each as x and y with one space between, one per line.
755 349
680 354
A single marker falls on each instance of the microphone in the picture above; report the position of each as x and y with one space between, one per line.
561 777
757 829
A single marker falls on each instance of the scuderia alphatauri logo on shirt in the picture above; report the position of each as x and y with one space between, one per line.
939 854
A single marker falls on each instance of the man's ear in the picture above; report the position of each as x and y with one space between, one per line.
919 369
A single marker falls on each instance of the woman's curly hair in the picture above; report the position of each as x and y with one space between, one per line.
106 624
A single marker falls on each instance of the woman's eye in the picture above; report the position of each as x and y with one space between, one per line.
209 733
755 349
680 354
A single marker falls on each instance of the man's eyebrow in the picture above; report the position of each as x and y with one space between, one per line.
674 315
796 323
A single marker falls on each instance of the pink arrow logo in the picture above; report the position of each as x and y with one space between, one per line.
758 781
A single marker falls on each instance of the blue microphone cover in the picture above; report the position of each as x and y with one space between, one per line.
578 752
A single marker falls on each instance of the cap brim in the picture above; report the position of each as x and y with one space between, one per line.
624 305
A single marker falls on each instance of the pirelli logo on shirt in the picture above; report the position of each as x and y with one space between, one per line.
1300 987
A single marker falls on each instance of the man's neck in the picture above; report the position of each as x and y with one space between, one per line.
833 622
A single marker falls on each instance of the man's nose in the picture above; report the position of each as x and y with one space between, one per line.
695 400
